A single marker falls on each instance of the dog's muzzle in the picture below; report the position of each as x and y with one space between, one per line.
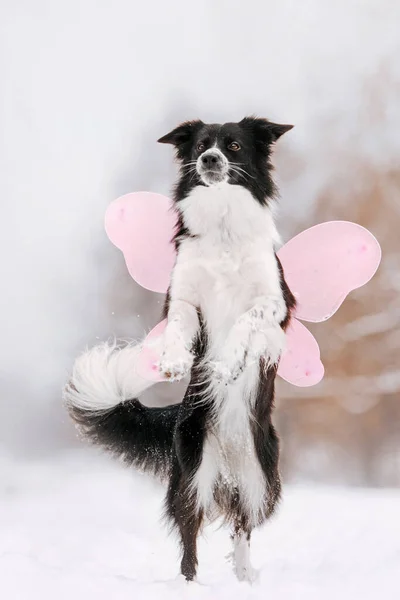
212 166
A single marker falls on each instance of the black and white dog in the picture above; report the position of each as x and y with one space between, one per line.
227 307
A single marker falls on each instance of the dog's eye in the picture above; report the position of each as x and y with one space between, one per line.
201 147
234 146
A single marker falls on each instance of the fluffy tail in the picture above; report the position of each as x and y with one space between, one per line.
101 397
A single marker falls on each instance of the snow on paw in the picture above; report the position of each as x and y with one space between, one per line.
176 362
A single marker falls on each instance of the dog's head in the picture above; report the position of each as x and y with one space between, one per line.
235 153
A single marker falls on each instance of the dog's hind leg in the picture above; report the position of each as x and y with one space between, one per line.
182 504
241 553
187 518
189 528
184 514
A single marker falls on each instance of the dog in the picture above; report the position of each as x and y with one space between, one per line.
228 306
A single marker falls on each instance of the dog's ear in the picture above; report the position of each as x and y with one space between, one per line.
263 130
181 134
277 129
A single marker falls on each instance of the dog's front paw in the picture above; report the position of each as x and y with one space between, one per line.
268 343
231 365
176 362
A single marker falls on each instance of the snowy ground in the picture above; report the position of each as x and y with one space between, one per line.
85 528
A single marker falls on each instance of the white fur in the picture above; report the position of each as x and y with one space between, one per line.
241 559
230 271
104 376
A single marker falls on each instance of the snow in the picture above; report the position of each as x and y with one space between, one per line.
82 527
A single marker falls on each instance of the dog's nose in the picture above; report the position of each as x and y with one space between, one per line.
210 160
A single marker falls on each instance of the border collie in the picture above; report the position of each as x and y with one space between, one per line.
228 306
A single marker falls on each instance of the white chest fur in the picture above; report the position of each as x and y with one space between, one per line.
231 257
227 268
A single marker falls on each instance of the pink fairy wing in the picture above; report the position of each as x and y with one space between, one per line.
146 365
325 263
300 363
142 225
